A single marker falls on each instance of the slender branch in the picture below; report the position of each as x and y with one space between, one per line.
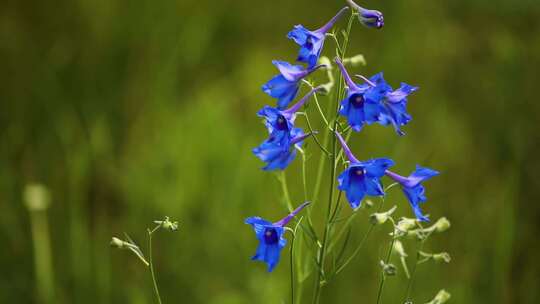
150 259
383 276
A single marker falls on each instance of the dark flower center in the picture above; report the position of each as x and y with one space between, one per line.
281 123
357 100
270 236
309 43
358 171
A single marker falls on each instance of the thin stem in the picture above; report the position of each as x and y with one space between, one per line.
383 276
154 281
292 269
322 251
284 187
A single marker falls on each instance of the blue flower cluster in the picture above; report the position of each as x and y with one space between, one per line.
371 101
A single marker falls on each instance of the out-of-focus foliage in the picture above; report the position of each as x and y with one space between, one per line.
131 110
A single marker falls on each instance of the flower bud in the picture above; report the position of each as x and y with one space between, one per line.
167 224
442 224
398 248
368 203
118 243
369 18
442 297
388 269
442 257
355 60
381 217
36 197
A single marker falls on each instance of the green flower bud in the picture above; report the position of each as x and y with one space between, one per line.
398 248
388 269
442 297
442 257
442 224
381 217
36 197
118 243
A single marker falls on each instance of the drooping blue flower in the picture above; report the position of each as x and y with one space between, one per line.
280 123
270 236
369 18
278 153
395 107
311 42
413 188
285 85
363 102
361 178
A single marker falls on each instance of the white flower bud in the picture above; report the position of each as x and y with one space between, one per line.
398 248
442 297
442 257
442 224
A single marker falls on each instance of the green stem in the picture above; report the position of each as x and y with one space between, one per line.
383 276
154 281
292 269
42 255
285 189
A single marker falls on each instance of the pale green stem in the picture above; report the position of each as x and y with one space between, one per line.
42 255
154 281
383 275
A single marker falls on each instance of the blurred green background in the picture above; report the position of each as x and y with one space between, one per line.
131 110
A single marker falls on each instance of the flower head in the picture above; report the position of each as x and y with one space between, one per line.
395 106
413 188
278 153
280 123
270 236
361 178
285 85
362 104
369 18
311 42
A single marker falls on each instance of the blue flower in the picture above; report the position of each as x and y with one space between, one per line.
369 18
270 236
278 153
363 102
413 188
395 107
361 178
311 42
285 85
280 123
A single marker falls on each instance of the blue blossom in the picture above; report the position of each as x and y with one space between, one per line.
270 236
361 178
278 153
395 106
369 18
363 102
285 85
311 42
413 188
280 123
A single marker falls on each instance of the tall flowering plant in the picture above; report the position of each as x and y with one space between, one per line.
354 103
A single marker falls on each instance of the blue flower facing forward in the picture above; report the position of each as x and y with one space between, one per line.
369 18
363 102
285 85
311 42
361 178
270 236
413 188
280 123
278 153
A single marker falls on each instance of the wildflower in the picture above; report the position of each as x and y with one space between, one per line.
280 123
413 189
395 106
270 236
369 18
356 107
311 42
279 154
285 85
361 178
